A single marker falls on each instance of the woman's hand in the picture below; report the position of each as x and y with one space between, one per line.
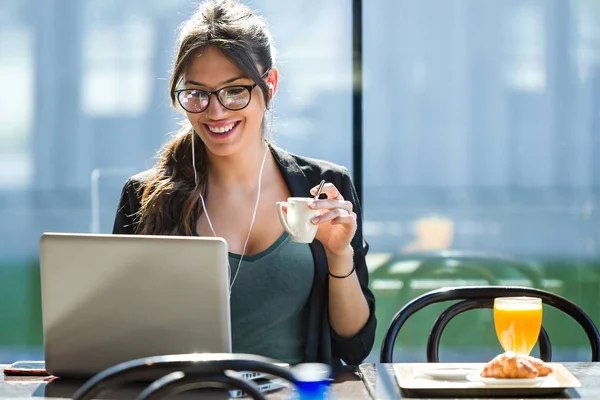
337 221
348 307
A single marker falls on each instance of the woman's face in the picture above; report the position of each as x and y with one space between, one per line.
224 132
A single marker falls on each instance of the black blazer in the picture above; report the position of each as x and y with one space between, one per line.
300 175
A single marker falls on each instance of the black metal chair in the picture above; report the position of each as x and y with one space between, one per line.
174 374
472 297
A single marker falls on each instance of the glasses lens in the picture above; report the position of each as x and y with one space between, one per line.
193 100
235 97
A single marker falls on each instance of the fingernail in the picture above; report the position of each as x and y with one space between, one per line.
312 205
314 220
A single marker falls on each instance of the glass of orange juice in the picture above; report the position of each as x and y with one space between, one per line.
518 321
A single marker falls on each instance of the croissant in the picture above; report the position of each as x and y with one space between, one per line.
543 368
511 365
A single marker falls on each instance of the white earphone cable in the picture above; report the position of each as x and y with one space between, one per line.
268 139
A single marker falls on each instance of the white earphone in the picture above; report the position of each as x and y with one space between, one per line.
271 88
262 165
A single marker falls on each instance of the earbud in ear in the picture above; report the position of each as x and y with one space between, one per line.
270 90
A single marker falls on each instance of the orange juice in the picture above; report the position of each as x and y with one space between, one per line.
518 323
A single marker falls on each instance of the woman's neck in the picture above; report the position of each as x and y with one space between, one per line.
241 169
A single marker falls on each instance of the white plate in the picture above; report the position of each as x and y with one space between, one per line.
448 373
507 382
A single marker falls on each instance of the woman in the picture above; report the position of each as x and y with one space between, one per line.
220 176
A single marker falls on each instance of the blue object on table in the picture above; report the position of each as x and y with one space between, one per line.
312 381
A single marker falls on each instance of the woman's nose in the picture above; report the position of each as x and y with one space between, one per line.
215 109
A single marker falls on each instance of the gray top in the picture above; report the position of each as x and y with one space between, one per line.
269 301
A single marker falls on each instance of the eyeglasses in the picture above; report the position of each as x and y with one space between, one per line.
233 98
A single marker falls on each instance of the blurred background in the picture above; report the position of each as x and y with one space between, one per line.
481 133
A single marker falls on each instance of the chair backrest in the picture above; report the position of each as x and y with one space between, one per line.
471 297
178 373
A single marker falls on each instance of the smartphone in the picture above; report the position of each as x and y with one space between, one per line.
26 368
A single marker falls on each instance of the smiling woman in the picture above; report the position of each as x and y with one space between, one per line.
233 89
221 176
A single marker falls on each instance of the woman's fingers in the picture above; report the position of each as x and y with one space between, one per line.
330 190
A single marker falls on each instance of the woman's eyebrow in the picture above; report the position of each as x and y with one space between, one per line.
191 82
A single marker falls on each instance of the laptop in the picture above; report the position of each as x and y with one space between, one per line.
108 299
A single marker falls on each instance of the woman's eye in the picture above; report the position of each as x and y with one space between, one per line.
235 91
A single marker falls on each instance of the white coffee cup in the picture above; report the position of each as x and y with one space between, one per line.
297 224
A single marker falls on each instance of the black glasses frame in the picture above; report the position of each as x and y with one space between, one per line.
217 92
249 88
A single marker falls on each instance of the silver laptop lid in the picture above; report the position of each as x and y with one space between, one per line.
107 299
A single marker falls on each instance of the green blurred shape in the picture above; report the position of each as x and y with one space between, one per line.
21 312
404 277
469 337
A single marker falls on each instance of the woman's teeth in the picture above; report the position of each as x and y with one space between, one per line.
221 129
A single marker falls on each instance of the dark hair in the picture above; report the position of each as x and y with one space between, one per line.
169 203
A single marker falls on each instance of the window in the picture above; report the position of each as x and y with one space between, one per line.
17 105
480 138
117 53
100 112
